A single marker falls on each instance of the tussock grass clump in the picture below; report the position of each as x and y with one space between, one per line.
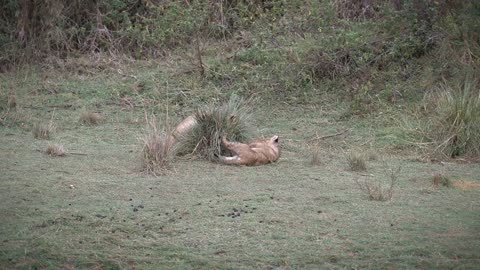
10 112
42 130
441 180
230 119
55 150
90 118
456 120
376 190
356 162
158 149
316 156
12 101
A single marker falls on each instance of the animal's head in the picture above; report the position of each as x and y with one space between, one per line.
273 142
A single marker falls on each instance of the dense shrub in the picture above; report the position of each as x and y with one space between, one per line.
139 28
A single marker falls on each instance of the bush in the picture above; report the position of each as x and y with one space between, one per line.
33 29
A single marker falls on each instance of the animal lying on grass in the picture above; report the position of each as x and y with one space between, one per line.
257 152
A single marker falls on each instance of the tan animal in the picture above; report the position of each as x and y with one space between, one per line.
256 153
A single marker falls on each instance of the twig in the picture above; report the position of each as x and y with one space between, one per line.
76 153
330 136
68 153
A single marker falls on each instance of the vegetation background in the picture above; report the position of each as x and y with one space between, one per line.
377 104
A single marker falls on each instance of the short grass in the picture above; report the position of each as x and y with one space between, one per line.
100 210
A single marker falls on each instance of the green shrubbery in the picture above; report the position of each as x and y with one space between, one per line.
137 28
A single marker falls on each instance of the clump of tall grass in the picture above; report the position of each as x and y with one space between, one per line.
441 180
158 149
356 162
55 150
316 156
316 159
90 118
12 101
230 119
43 130
455 129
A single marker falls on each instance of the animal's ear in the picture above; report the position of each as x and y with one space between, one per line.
274 139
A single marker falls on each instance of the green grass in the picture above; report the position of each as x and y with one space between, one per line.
98 209
327 86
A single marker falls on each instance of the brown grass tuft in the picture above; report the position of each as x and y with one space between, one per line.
441 180
466 185
12 101
43 130
158 149
90 118
55 150
356 162
372 156
315 158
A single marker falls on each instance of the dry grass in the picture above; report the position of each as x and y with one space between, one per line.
12 101
158 149
356 162
441 180
42 130
466 185
90 118
372 155
316 156
10 113
56 150
375 189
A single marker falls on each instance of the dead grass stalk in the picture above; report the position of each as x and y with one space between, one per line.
56 150
158 148
375 189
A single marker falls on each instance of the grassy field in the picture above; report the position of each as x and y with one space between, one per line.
95 209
